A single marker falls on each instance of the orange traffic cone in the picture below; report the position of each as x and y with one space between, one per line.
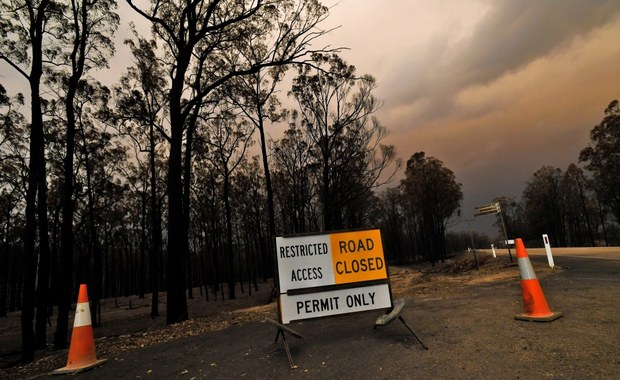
534 302
82 348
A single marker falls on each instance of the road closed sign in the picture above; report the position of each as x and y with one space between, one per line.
335 273
337 258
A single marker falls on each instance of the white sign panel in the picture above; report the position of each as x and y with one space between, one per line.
304 262
322 304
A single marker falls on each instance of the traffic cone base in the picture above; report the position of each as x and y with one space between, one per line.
82 354
549 318
76 369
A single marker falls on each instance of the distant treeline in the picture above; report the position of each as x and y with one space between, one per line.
578 207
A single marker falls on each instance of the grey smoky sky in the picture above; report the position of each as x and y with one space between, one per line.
510 35
494 89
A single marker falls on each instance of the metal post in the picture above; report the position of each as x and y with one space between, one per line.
501 215
473 246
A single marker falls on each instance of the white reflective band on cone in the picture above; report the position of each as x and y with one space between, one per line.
525 269
82 315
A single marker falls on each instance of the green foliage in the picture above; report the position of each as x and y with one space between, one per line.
544 204
602 158
431 197
430 188
563 206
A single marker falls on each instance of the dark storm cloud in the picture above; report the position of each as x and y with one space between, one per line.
510 35
514 33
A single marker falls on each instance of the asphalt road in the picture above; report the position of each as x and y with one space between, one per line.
471 333
601 262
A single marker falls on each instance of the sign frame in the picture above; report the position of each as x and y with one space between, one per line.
323 274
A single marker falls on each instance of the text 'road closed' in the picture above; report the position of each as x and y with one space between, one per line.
358 256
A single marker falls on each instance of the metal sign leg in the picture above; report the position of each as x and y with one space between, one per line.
394 313
281 331
412 332
288 350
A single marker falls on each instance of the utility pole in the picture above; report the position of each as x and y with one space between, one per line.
473 246
501 215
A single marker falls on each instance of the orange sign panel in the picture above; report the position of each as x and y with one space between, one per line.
357 256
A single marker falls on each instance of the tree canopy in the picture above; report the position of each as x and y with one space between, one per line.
431 197
602 158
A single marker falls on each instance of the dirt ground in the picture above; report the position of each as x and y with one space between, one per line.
453 307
